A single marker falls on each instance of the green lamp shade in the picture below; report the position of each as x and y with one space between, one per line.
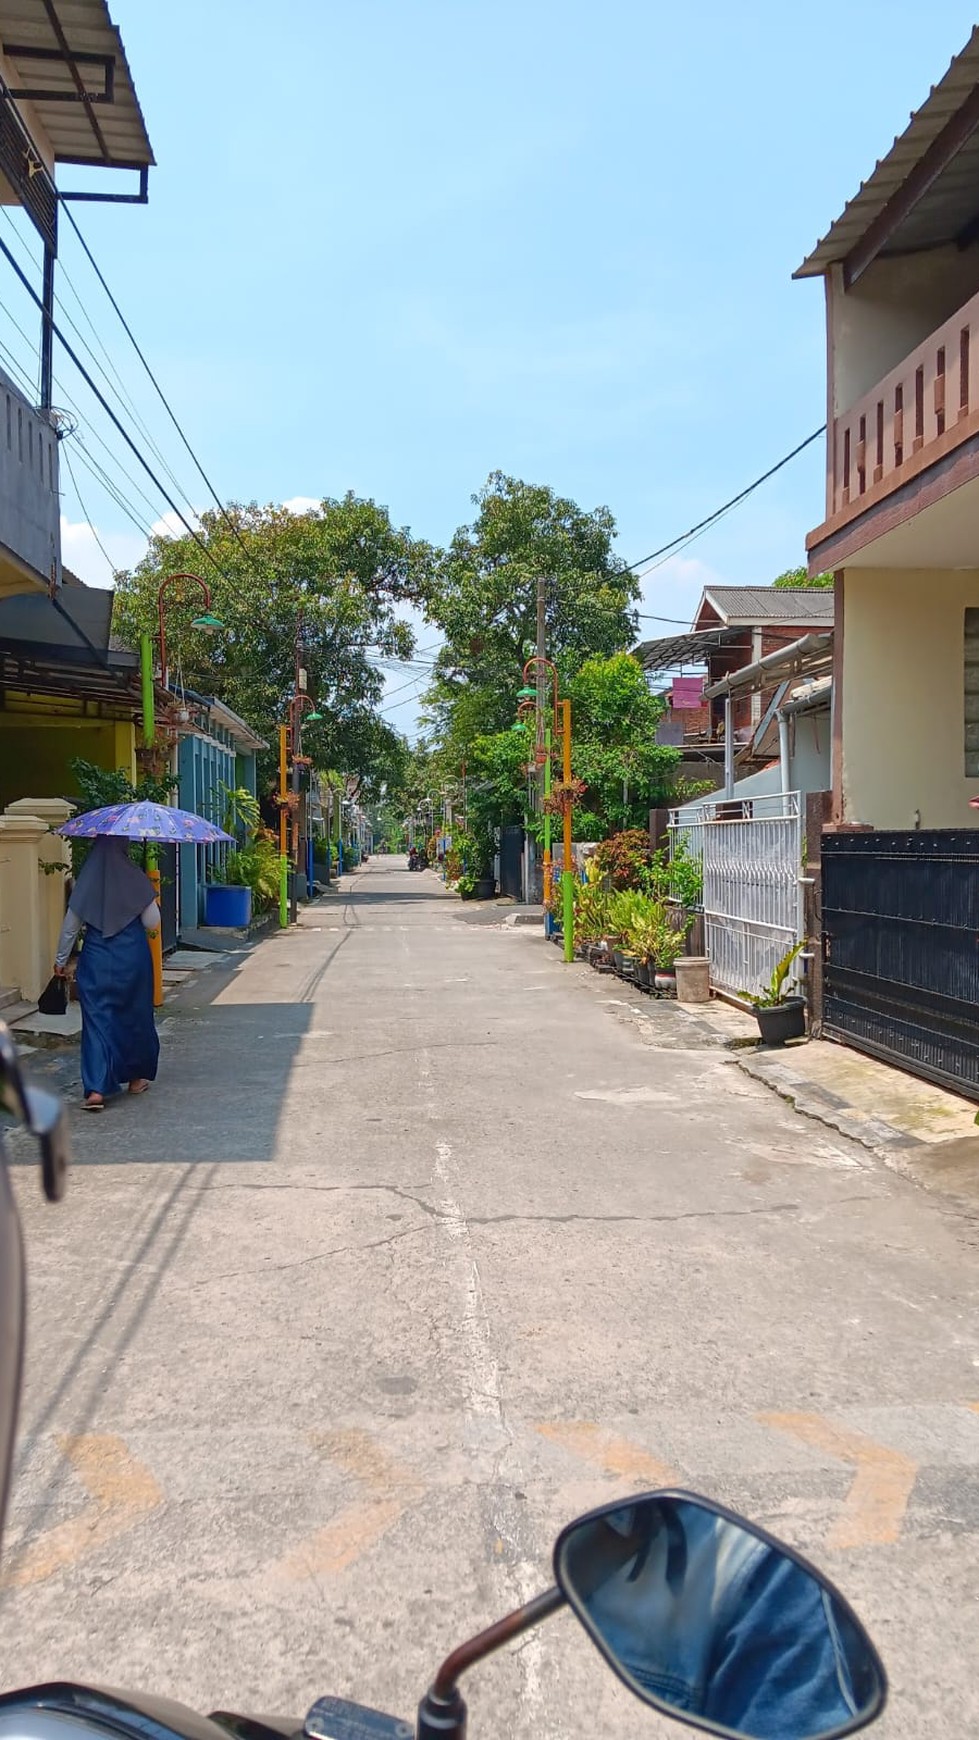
312 718
526 694
210 624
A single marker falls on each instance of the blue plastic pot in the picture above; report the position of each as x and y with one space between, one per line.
227 908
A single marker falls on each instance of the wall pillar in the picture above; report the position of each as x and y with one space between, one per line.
20 905
51 849
819 807
51 885
124 748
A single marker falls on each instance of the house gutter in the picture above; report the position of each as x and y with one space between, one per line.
783 751
787 656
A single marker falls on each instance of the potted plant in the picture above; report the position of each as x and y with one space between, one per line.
780 1012
670 944
248 879
642 939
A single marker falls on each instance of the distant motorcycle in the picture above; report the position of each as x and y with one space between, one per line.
417 860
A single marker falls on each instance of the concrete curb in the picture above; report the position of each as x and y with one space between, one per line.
818 1103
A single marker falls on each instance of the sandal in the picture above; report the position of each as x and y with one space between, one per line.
139 1086
93 1103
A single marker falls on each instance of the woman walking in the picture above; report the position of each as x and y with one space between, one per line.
114 902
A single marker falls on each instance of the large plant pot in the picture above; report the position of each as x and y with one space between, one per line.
664 983
643 974
225 907
692 979
783 1021
485 888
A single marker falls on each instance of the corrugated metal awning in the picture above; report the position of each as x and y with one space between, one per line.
946 204
682 649
112 134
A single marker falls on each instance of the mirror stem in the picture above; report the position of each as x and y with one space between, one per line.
442 1711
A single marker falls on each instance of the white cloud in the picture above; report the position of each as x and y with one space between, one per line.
673 591
302 504
170 525
80 551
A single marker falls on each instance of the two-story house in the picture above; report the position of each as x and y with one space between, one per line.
734 629
66 99
901 534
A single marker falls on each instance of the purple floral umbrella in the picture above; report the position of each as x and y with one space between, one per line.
144 821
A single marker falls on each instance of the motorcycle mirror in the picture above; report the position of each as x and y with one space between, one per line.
712 1621
42 1114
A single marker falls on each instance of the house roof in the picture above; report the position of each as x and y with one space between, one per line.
75 624
113 133
237 727
923 193
749 606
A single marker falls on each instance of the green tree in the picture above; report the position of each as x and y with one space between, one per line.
614 752
483 597
797 580
341 570
614 721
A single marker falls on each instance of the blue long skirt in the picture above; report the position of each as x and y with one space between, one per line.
120 1043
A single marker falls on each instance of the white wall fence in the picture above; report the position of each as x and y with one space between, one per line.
751 852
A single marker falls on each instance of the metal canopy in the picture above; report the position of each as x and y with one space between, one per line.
36 671
682 649
71 66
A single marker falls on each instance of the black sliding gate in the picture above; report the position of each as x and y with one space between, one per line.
901 950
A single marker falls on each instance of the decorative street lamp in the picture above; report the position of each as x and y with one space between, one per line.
551 723
207 622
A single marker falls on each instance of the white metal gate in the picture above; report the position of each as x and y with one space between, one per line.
751 851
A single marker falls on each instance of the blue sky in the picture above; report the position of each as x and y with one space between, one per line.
392 245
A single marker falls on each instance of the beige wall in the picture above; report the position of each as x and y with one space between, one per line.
891 309
903 714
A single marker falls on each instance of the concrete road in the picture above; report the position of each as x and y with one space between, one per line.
423 1243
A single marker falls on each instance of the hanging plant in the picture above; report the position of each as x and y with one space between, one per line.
564 796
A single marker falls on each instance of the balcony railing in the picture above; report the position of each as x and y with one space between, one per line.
914 416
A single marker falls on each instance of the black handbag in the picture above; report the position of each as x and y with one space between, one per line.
54 998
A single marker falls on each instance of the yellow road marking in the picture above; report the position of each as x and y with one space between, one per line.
874 1509
122 1491
611 1454
340 1543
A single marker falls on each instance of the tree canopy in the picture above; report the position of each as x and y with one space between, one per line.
483 597
798 580
337 574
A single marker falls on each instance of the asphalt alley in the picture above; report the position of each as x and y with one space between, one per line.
423 1243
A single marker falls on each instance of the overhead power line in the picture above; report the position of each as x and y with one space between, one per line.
702 525
103 401
88 519
116 384
219 504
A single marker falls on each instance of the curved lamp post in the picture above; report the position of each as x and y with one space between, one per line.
209 623
544 673
286 733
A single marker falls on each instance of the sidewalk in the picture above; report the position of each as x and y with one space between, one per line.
925 1133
